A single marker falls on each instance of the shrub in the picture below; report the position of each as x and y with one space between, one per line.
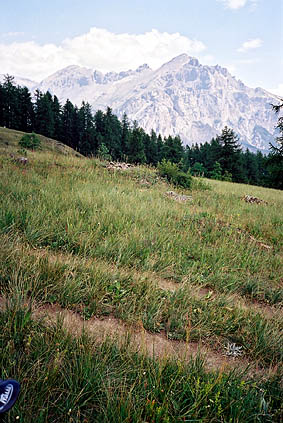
200 185
103 153
227 176
30 141
173 174
198 169
216 172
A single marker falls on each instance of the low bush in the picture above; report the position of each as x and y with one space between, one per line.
174 175
198 184
30 141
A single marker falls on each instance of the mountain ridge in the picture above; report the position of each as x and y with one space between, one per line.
181 97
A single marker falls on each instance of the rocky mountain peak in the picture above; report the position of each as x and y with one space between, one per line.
182 97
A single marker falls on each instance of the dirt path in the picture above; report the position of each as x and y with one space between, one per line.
154 345
165 284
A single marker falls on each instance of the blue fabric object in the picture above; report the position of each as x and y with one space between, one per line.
9 391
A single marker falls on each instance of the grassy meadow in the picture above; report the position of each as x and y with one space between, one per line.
110 244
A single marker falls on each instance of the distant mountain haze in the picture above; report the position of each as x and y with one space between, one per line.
182 97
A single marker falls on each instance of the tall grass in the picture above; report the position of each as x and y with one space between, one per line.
94 288
78 380
100 243
83 210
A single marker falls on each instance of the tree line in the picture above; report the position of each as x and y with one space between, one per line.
103 134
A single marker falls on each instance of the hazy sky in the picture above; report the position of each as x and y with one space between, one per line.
39 37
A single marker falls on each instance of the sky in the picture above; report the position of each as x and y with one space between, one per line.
39 37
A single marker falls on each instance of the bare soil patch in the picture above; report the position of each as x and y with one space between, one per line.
157 346
154 345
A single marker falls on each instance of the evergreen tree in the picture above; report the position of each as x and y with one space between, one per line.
2 100
195 154
278 149
160 148
44 116
25 109
57 116
198 169
262 168
87 136
103 152
275 158
77 129
103 133
136 146
187 158
173 149
213 155
125 137
68 114
113 134
230 154
9 103
216 172
99 124
251 168
152 149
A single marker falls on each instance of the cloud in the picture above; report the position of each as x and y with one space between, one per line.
250 45
98 49
238 4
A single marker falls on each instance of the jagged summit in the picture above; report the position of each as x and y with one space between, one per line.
179 61
181 97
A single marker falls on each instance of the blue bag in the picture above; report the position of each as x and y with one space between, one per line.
9 391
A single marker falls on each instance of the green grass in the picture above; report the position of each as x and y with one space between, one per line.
79 208
97 289
9 144
102 243
78 380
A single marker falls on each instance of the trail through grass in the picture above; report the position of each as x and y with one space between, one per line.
99 244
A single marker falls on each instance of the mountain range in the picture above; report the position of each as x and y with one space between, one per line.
182 97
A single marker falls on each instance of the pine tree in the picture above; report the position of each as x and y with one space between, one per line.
125 137
9 103
99 124
57 115
278 150
136 146
2 100
230 154
212 154
67 124
113 134
275 158
26 112
152 149
160 148
216 172
44 116
173 149
251 168
198 169
87 136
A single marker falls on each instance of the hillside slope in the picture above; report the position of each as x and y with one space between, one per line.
120 304
9 143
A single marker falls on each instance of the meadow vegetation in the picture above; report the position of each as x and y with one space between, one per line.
109 243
